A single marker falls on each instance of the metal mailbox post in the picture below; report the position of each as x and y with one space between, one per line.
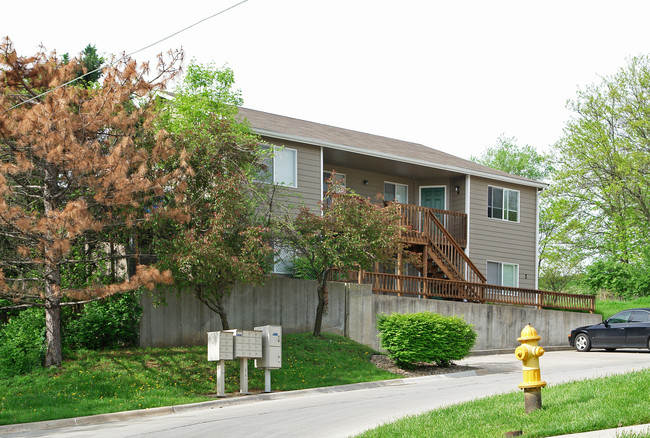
220 348
248 345
272 352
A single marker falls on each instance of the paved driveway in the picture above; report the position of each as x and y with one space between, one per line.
345 411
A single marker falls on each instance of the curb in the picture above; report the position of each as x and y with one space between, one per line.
215 404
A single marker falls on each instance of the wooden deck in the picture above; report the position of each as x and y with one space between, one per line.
405 285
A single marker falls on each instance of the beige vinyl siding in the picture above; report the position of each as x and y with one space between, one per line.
354 180
503 241
309 181
457 200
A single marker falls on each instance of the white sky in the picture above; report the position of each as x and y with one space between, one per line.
452 75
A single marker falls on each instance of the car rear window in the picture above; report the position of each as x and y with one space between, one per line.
640 316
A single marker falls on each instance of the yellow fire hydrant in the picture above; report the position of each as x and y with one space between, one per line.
529 352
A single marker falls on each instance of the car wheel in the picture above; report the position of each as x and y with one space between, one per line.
582 342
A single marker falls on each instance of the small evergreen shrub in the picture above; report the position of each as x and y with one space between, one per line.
113 322
425 337
22 343
302 269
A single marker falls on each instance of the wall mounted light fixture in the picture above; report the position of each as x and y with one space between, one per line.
458 190
365 182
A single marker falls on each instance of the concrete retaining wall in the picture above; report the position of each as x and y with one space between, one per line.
352 312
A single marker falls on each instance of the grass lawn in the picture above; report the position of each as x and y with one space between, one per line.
96 382
568 408
610 307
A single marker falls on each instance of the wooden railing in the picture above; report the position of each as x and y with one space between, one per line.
472 292
425 227
454 222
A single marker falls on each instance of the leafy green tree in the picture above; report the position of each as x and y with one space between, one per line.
349 233
89 64
75 164
524 161
226 239
604 165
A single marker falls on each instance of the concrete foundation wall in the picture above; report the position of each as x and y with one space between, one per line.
352 312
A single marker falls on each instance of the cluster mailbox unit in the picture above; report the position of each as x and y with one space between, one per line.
271 352
264 344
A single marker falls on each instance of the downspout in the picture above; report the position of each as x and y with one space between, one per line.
467 210
322 170
537 193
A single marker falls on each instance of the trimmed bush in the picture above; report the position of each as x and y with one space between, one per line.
425 337
22 343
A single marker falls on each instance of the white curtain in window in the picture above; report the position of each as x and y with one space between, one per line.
284 166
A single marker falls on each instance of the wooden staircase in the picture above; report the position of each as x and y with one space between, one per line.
442 256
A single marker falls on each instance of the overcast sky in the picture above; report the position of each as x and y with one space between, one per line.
451 75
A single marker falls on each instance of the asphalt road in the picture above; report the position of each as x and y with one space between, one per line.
345 411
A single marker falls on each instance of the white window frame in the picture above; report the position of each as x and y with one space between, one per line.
276 159
339 176
283 260
406 201
504 202
501 267
271 175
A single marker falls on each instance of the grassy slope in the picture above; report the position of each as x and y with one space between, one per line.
94 382
610 307
568 408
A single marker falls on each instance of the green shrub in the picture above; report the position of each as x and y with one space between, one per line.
425 337
302 269
113 322
623 280
22 343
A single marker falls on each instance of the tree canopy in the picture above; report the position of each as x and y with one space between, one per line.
524 161
603 165
349 233
77 165
226 240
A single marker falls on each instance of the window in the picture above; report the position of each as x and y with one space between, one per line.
396 192
282 168
503 274
337 176
283 260
503 204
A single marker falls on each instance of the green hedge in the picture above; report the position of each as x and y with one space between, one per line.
425 337
22 342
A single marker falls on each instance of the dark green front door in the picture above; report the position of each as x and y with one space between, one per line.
432 197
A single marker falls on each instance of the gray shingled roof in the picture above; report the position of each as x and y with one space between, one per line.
287 128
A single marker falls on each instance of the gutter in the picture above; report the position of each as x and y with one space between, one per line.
356 150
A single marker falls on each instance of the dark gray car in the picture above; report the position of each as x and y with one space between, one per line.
627 329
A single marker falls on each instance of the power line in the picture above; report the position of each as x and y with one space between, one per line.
128 55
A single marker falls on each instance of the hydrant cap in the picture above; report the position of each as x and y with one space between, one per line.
529 334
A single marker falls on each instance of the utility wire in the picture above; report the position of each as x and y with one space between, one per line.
128 55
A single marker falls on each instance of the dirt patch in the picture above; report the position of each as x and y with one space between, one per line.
418 370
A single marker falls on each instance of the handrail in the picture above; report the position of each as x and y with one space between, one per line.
454 222
472 292
450 248
424 227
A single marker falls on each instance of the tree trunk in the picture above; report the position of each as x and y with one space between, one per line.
53 355
222 314
52 274
214 303
321 308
